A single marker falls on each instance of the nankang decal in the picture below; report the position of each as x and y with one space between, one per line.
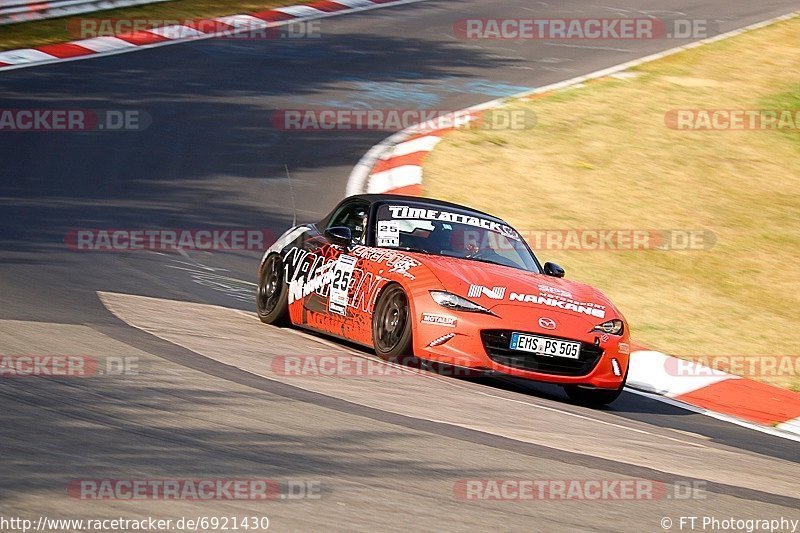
549 296
417 213
567 304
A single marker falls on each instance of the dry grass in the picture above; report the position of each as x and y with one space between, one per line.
37 33
601 157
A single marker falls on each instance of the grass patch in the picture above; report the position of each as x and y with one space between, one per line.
37 33
787 100
601 156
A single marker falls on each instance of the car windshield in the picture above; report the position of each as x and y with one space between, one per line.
451 232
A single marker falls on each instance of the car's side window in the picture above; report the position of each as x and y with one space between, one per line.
354 216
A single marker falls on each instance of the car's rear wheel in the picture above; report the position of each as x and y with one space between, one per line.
272 303
391 323
594 397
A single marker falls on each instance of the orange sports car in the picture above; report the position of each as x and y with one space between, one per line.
445 283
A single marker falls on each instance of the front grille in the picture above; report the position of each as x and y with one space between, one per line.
496 343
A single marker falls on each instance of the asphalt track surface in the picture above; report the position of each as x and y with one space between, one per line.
386 451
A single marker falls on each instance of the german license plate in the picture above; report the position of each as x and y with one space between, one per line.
545 346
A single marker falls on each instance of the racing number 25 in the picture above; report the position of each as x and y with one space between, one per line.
341 279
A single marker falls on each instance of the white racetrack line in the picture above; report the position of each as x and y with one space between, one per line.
719 416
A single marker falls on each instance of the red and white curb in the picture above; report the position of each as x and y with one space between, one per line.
714 391
395 166
13 11
166 35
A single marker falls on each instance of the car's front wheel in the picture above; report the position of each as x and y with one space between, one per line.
391 323
272 303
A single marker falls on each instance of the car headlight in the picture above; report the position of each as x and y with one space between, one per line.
455 302
613 327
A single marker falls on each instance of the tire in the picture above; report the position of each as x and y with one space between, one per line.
272 302
391 323
594 397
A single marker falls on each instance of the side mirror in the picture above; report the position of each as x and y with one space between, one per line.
341 235
552 269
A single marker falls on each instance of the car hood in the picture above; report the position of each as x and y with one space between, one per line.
490 285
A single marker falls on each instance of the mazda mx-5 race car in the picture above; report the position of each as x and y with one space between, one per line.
445 283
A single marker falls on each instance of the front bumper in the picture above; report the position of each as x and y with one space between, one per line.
480 341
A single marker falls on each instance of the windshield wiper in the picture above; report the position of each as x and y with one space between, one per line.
483 260
410 249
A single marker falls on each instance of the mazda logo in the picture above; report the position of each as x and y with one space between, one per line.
547 323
